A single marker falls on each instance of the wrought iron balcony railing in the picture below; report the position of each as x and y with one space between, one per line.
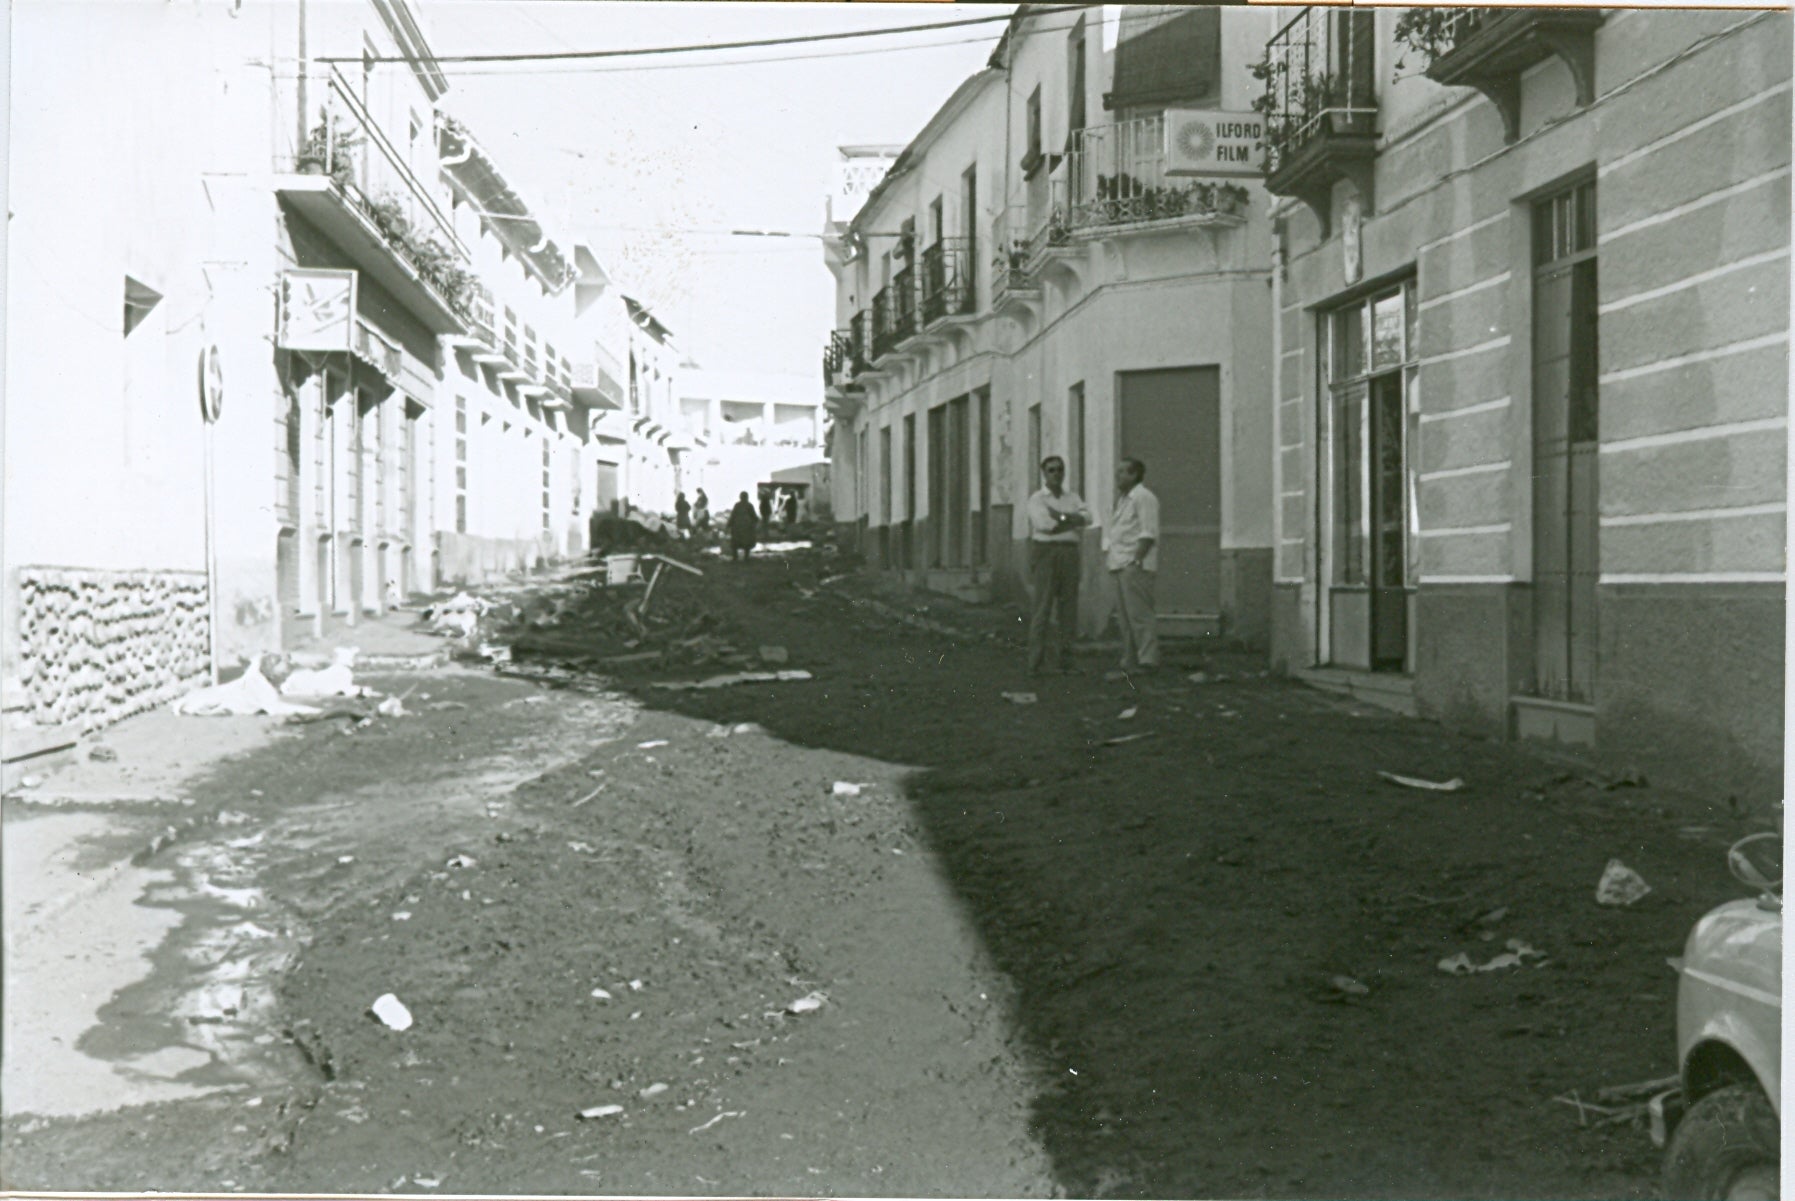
1116 175
903 304
860 342
883 339
1320 80
947 281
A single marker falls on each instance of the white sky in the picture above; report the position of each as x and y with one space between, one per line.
612 144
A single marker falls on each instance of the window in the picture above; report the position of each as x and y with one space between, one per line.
1031 159
546 468
461 464
936 230
1075 477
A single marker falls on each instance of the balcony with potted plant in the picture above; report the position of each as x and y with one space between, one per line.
352 183
1489 48
1320 107
1117 183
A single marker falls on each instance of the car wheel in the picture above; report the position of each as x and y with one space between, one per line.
1726 1148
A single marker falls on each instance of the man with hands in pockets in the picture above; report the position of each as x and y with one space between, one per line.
1131 553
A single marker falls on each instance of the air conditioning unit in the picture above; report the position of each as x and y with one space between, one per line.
1213 143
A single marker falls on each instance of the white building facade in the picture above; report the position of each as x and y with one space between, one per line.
277 311
1030 280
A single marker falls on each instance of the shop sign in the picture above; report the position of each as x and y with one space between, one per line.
1212 142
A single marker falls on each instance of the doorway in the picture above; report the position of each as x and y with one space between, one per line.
1368 548
1171 421
1565 435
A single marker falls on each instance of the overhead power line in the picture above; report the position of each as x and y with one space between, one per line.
689 48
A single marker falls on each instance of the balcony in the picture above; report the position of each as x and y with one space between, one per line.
1320 105
902 312
883 343
597 381
860 344
354 184
1012 278
1488 48
949 282
1116 180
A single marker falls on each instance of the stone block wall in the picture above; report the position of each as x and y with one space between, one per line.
97 646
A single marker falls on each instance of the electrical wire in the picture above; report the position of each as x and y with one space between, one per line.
526 71
689 48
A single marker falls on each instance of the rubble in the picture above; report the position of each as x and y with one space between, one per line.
1620 885
247 695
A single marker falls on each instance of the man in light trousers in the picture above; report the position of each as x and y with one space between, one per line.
1055 517
1131 553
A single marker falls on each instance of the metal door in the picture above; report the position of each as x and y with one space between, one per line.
939 518
1171 421
959 482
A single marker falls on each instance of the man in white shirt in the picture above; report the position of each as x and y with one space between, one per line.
1055 517
1131 553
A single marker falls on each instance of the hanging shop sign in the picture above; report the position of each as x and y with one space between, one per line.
317 310
211 384
1201 141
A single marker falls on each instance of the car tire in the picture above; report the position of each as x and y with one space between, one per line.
1726 1148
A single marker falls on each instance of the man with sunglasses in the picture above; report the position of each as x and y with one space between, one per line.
1055 518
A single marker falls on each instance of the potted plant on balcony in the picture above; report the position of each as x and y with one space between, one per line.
1427 32
328 153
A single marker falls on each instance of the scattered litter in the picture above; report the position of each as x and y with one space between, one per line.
1349 986
1642 1088
1452 785
1493 916
1198 677
728 1113
1128 713
774 654
392 706
1620 885
101 753
403 915
738 677
345 859
600 994
651 744
653 1090
1518 954
635 986
439 706
462 861
589 796
601 1111
809 1003
427 1181
1120 739
248 694
335 680
583 848
748 727
495 653
845 788
1020 698
391 1011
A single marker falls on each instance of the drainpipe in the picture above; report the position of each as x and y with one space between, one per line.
305 70
1277 395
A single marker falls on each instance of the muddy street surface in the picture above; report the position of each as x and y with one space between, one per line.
882 931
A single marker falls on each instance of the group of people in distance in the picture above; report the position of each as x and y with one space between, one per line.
1057 518
743 525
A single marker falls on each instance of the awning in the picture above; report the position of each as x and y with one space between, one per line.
1175 60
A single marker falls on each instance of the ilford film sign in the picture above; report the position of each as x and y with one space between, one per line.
1202 141
317 310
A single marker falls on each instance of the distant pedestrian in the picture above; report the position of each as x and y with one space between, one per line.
766 508
701 514
1055 517
744 528
1131 553
682 515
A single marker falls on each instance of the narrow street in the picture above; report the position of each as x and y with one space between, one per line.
1049 961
